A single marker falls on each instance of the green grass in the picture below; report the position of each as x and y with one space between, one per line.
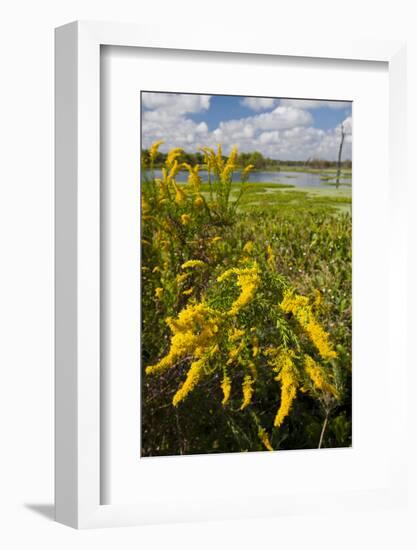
269 195
309 230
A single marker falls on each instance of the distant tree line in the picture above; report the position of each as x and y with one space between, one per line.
255 157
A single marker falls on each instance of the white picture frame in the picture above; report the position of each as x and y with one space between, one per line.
78 404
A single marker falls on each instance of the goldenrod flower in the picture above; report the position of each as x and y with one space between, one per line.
173 155
282 361
156 269
215 239
158 292
154 149
180 196
235 334
188 291
193 334
248 280
219 158
320 339
182 277
193 178
247 389
245 171
209 158
248 247
226 386
226 170
302 311
255 347
193 263
251 366
185 219
233 156
263 436
193 377
175 168
145 206
318 377
234 353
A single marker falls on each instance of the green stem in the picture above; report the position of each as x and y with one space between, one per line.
323 430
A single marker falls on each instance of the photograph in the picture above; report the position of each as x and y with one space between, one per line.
246 273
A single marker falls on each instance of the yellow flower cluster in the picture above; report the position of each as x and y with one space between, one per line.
145 206
194 179
235 334
209 340
215 162
270 257
247 390
158 292
193 378
175 168
154 149
193 263
173 155
193 333
248 247
255 347
219 156
245 171
248 280
282 361
232 157
180 196
226 386
263 436
182 277
318 377
301 309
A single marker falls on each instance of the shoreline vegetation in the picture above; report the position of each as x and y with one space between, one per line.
246 308
258 162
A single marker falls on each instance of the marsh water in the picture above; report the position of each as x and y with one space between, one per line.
296 179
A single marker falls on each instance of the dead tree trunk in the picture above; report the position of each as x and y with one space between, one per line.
339 159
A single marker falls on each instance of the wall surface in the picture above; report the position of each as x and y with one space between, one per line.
26 289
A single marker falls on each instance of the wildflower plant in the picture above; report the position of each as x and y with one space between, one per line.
225 332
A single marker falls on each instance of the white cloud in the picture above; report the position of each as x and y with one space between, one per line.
286 132
278 119
314 104
347 125
258 103
176 103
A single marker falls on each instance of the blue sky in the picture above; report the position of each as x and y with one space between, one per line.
223 107
287 129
